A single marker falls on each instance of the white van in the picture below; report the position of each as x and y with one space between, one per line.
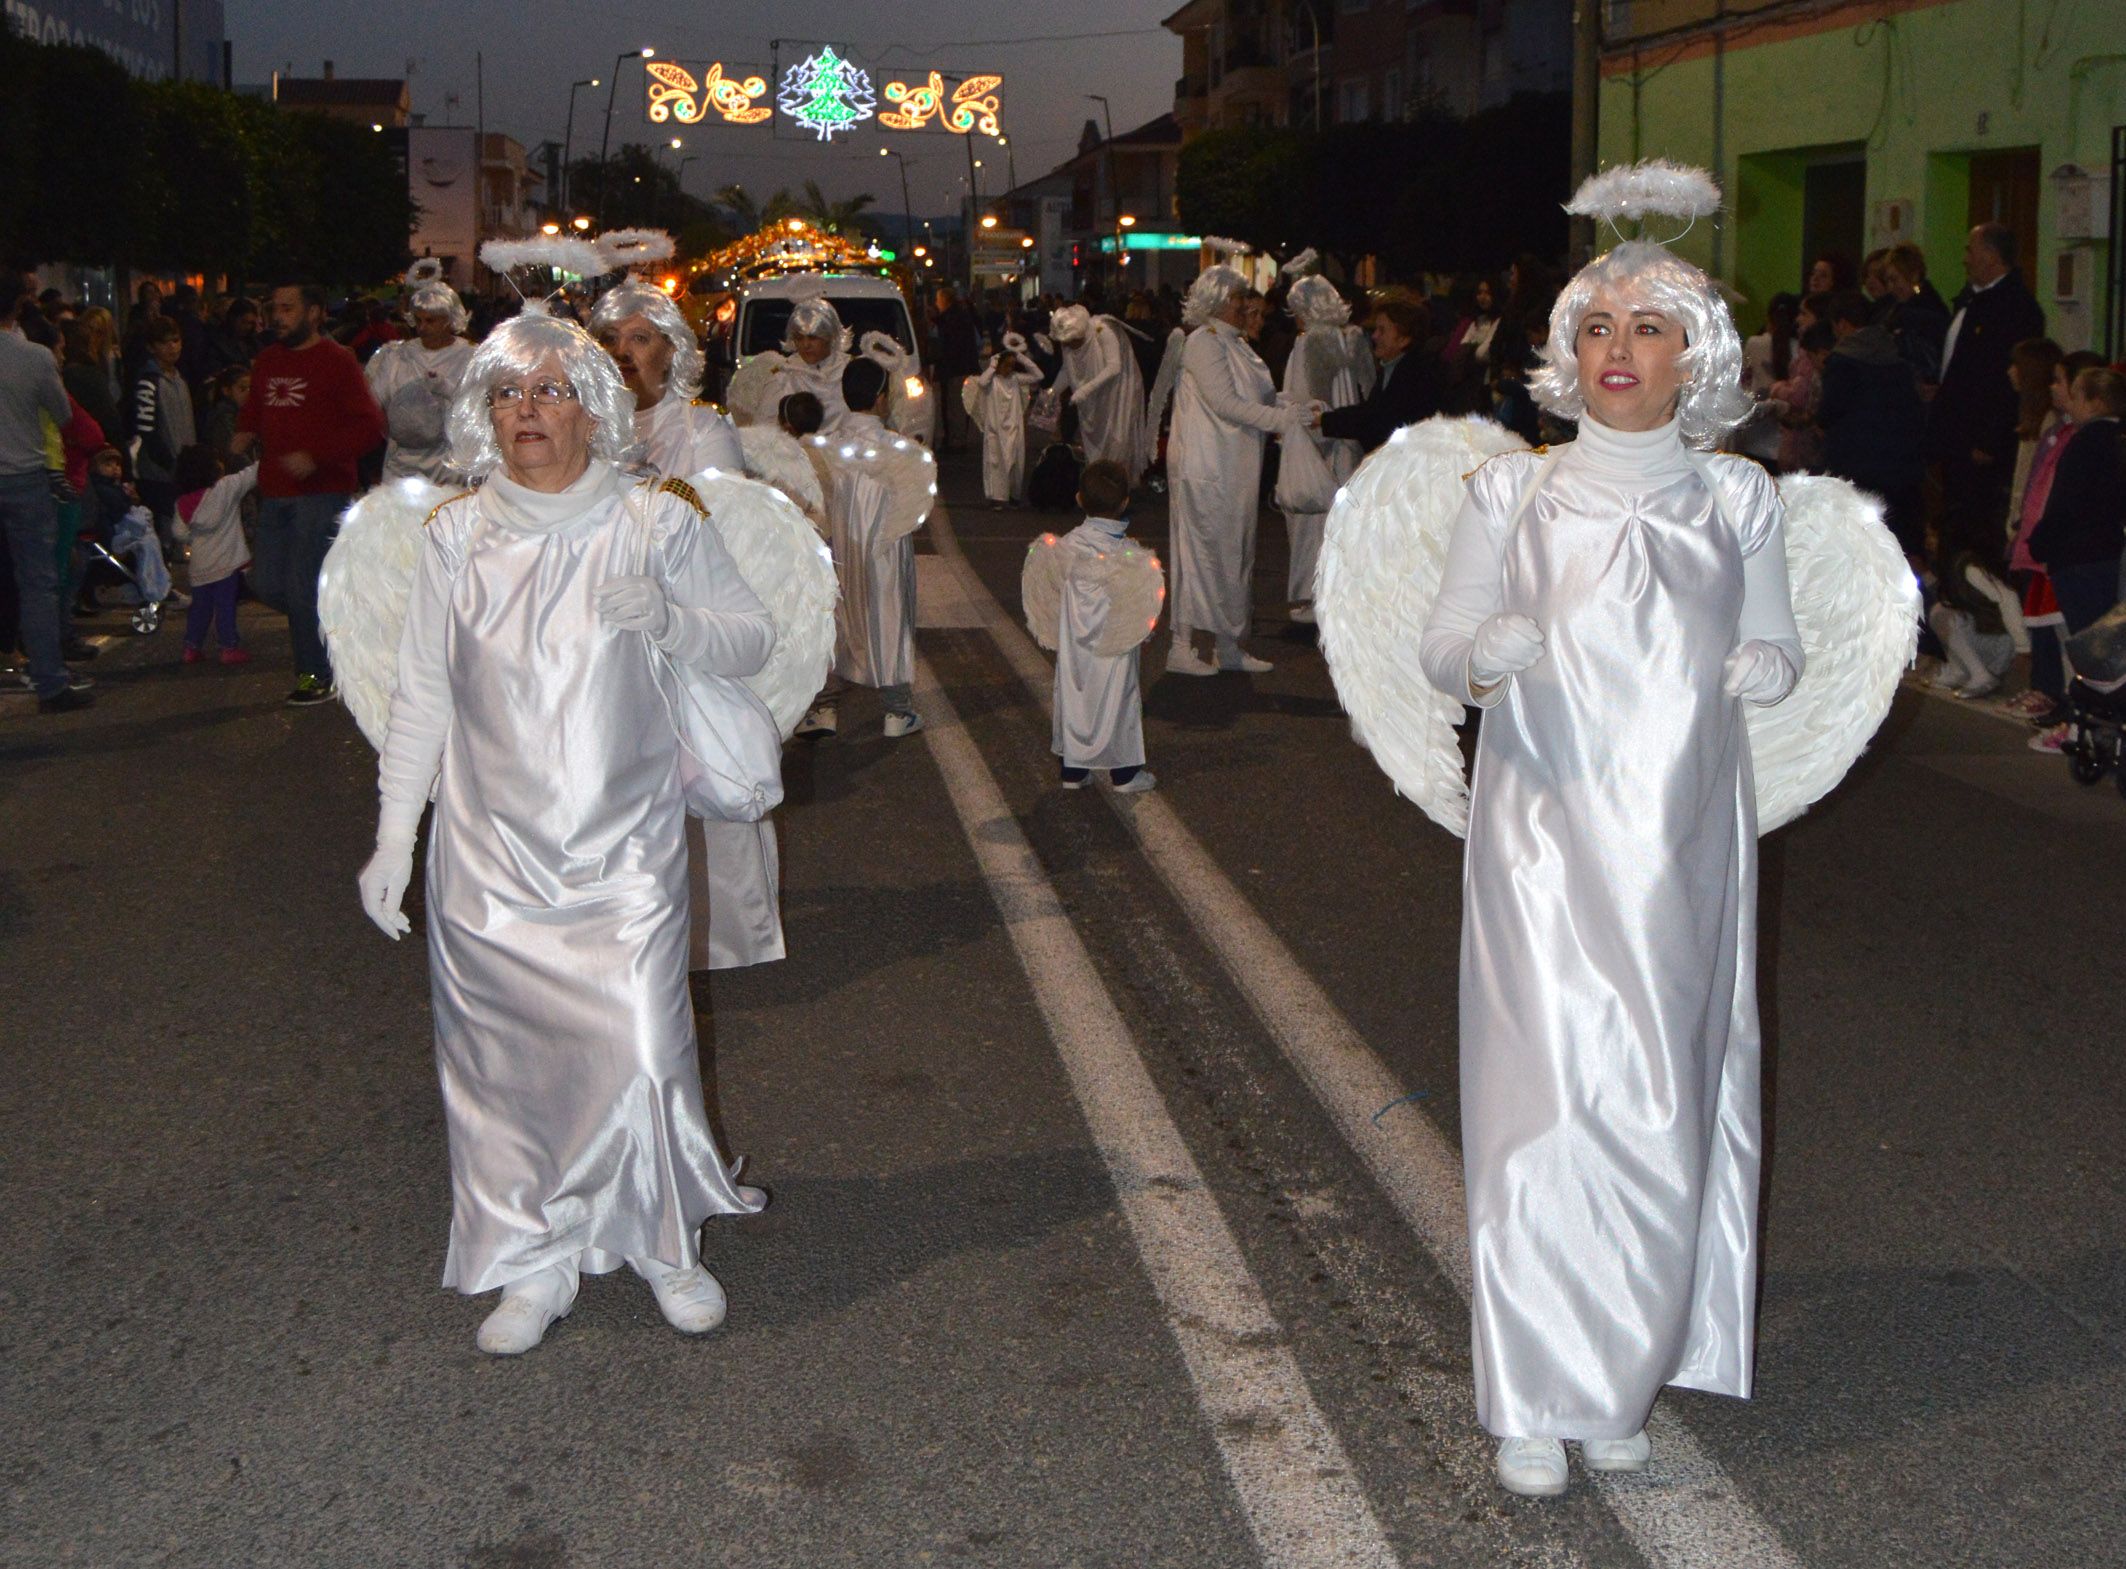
757 315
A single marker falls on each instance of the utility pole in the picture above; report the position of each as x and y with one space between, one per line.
1586 110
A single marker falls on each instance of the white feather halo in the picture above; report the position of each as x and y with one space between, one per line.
1222 246
1298 265
428 269
557 252
362 592
1014 343
625 248
1639 190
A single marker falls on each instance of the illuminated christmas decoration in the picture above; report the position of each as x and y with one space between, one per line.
972 105
676 95
827 95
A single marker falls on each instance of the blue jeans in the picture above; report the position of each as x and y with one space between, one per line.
294 532
30 519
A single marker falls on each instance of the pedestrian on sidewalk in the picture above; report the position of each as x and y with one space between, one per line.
311 417
566 620
30 393
163 420
2082 535
210 519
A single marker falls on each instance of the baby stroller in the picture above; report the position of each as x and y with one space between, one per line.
2096 701
148 574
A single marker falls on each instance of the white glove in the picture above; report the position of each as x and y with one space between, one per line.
383 884
1505 644
635 604
1757 673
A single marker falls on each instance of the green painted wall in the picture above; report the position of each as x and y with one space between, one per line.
1916 94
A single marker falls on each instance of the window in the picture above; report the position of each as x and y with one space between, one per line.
1353 102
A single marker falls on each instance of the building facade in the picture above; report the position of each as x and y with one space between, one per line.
1837 128
1105 215
154 39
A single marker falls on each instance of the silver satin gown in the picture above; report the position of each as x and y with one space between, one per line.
1099 714
874 621
557 911
1609 1035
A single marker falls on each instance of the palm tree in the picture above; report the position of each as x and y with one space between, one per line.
835 217
748 215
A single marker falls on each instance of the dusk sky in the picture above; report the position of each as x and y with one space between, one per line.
535 48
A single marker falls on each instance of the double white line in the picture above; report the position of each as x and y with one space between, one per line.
1295 1486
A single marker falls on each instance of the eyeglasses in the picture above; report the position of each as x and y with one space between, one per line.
547 393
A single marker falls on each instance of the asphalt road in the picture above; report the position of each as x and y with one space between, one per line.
1073 1259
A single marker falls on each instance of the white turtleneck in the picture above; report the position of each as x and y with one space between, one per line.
1649 456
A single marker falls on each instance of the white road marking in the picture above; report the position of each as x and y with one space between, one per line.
1295 1485
1684 1512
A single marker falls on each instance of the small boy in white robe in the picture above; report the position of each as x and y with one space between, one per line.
996 400
1106 577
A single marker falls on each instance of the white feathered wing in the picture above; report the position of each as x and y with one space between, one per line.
748 388
1041 589
786 564
1136 589
904 467
362 592
774 457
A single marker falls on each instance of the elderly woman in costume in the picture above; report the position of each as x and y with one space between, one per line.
414 381
550 611
1224 408
681 433
1329 365
1612 605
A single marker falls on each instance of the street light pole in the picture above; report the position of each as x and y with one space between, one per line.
568 141
1114 189
907 210
605 142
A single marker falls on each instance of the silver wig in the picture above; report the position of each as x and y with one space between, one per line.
1314 302
518 349
440 297
1211 292
1712 401
656 307
815 318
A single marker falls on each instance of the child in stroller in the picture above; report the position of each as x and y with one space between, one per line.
2096 700
116 524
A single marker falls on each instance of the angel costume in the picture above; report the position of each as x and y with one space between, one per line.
413 384
556 884
997 401
1099 710
681 436
871 532
1226 404
1331 364
1106 388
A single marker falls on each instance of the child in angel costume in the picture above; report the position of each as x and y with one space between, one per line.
1330 365
414 379
881 488
996 401
1092 596
1672 656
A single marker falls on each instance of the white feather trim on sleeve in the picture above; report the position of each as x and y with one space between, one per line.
362 592
788 568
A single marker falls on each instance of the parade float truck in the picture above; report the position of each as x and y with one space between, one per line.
739 299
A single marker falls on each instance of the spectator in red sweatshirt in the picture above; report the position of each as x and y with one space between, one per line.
311 416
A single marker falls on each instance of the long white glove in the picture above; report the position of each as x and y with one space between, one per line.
635 604
1505 644
383 881
1757 673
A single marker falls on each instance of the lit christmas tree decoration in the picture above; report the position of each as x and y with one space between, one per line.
827 94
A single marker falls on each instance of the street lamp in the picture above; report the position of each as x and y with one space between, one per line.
989 220
907 212
568 137
605 142
1114 190
549 229
580 223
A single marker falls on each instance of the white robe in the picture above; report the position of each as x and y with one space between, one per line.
1609 1036
414 385
734 870
1099 711
556 883
1332 366
1000 403
1225 406
1107 390
874 621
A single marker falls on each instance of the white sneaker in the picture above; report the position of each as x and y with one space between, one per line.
1181 660
1137 783
1616 1454
1074 784
529 1308
1983 688
1244 662
898 725
1532 1467
1302 614
691 1299
819 720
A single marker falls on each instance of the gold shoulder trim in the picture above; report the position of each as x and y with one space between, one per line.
685 492
446 501
709 403
1521 452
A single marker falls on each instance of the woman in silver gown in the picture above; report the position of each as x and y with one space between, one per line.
528 706
1611 605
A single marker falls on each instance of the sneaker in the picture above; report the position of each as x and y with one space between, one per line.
236 656
1302 615
691 1299
1983 688
1137 783
2053 740
1181 660
1244 663
311 690
819 720
529 1308
15 681
64 702
77 682
898 725
1532 1467
1616 1454
191 655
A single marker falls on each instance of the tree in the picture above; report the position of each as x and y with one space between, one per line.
749 215
1251 184
842 217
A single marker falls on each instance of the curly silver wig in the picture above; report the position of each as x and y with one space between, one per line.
440 297
1712 401
656 307
1314 302
1211 293
520 348
815 318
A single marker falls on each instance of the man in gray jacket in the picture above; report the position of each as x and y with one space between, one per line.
29 517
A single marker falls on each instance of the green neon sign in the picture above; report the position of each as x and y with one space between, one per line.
1135 241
